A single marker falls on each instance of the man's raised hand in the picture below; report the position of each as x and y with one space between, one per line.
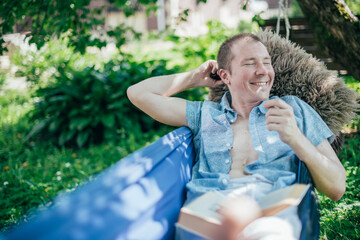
280 117
202 75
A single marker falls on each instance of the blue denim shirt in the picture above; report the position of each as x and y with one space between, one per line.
211 122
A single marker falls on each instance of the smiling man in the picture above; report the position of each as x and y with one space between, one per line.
247 143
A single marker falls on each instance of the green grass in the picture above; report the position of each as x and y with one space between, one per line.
341 219
33 173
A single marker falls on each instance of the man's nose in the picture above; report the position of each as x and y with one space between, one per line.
261 69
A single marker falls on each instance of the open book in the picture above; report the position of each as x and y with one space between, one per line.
201 216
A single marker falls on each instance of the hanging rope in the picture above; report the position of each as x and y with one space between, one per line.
283 11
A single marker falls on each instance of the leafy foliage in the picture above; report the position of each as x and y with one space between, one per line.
42 20
91 106
39 66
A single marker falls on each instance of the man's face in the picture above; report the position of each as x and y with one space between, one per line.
252 74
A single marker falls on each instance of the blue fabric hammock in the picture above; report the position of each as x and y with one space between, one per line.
137 198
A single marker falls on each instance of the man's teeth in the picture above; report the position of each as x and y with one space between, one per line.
260 83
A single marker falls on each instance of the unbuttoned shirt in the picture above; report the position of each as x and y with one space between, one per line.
211 122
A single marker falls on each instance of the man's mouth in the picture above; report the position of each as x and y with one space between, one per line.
259 83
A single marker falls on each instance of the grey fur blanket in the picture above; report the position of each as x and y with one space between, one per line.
299 73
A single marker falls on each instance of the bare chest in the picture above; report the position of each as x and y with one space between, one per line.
242 152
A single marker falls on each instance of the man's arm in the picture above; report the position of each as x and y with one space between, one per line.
153 95
326 170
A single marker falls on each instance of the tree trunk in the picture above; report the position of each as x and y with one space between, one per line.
337 31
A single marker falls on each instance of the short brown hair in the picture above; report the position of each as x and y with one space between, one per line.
225 54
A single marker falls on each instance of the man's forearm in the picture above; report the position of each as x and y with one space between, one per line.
162 85
328 174
152 96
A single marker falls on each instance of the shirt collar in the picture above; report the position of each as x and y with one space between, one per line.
225 103
231 113
261 106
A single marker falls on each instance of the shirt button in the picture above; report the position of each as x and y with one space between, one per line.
228 144
227 161
224 181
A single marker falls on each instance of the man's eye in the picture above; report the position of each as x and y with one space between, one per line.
267 63
249 64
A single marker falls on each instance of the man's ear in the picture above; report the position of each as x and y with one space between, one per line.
224 75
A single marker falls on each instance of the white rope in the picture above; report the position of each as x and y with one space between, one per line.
283 8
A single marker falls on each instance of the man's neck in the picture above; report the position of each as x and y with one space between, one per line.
243 109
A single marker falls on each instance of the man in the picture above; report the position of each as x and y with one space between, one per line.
247 139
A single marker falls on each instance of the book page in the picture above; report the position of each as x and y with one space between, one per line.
289 196
206 206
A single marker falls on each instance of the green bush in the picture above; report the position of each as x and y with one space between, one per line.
39 66
90 106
